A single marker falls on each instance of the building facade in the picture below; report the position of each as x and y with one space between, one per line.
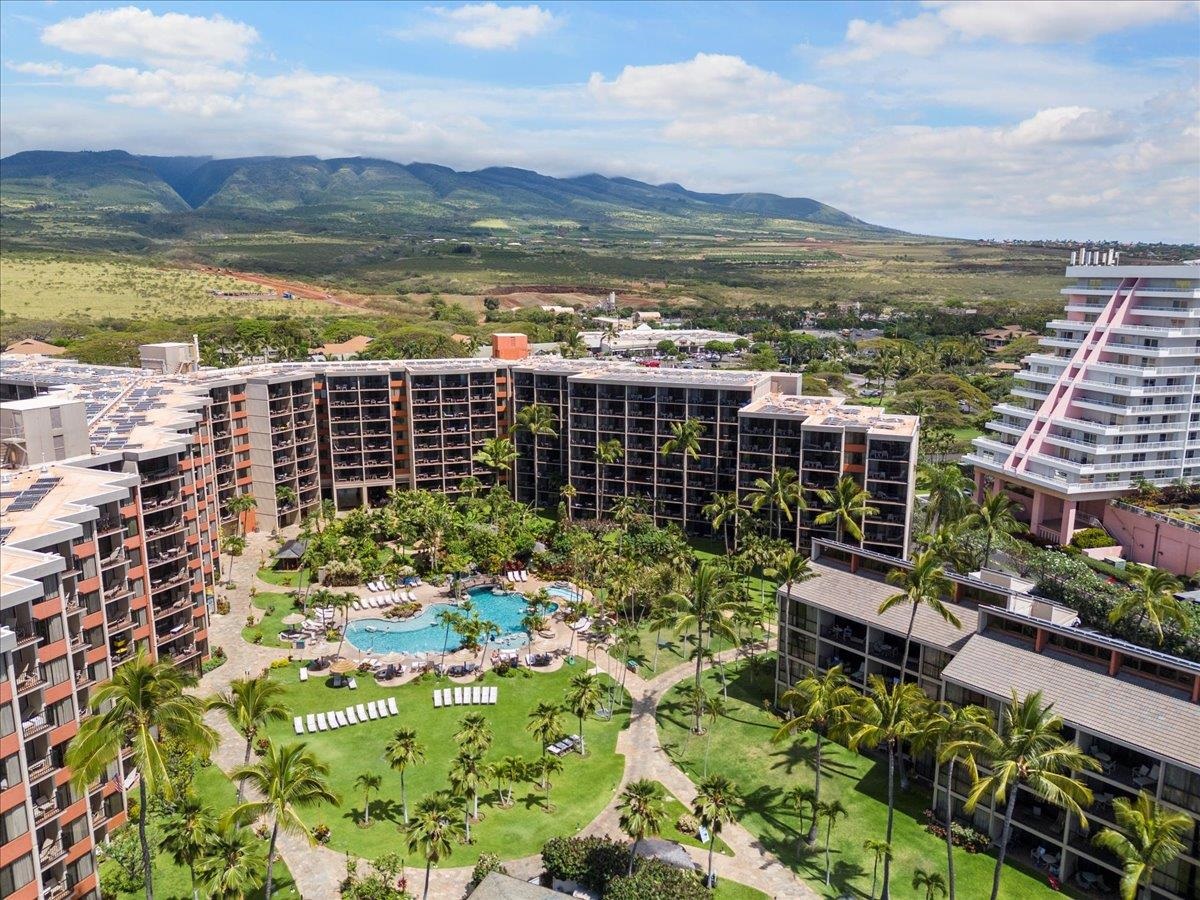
1134 709
1111 400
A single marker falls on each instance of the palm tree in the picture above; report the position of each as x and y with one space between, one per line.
569 492
995 518
584 696
466 777
497 455
509 771
449 619
781 493
543 723
705 605
537 420
433 832
846 506
931 882
685 439
1029 750
142 704
343 602
716 803
948 546
367 782
544 768
185 835
238 505
474 733
402 751
250 705
948 493
610 332
953 732
823 704
803 799
573 347
1151 837
923 584
233 862
642 812
722 511
235 545
879 850
284 497
888 716
288 778
790 567
608 453
1151 596
831 811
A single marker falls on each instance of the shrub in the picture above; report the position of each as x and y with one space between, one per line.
591 861
257 637
687 824
280 663
250 620
653 879
223 607
402 610
214 662
488 863
970 839
1090 538
321 833
219 651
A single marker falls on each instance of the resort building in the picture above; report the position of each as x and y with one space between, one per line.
1111 401
1134 709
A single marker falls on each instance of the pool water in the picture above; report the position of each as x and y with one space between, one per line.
563 593
423 634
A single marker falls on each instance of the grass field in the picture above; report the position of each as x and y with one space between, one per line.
58 288
271 623
172 882
283 578
739 746
578 793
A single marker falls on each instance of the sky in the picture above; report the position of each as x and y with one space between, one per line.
1035 119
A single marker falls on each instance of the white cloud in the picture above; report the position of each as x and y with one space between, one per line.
133 33
484 26
1054 21
45 70
204 91
920 36
1069 125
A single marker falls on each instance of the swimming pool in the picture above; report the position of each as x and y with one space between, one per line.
423 634
563 593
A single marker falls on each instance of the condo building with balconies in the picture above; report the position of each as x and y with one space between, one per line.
1134 709
1109 402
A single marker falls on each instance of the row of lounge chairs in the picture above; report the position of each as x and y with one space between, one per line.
472 695
384 600
516 575
351 715
566 745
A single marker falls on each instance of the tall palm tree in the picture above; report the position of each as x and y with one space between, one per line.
449 619
497 455
953 732
932 883
1150 838
289 778
790 567
234 545
584 695
706 605
722 511
402 751
569 492
250 705
285 497
545 767
846 505
831 811
803 799
474 733
889 716
781 494
717 802
823 704
608 453
233 862
142 704
642 812
433 832
238 505
879 850
1029 750
948 546
685 439
368 782
537 420
995 519
466 777
922 584
342 602
1151 597
543 722
185 835
948 493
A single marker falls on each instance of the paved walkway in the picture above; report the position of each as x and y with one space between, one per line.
319 870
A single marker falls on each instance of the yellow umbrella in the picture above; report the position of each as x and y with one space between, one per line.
342 666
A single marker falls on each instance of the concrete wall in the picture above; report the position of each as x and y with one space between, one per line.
1151 540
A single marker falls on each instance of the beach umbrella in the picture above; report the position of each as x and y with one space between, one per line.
293 619
343 666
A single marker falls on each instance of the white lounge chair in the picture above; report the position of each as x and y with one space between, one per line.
362 712
392 708
298 724
492 692
357 604
351 715
382 707
321 722
334 725
342 720
458 697
446 699
523 575
353 685
412 596
437 699
312 723
475 694
372 711
304 673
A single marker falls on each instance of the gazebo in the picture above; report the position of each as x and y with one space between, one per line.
291 555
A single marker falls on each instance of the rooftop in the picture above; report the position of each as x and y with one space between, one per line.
31 346
834 412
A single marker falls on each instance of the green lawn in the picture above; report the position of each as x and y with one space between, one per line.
675 808
172 882
740 747
272 623
578 793
283 577
731 890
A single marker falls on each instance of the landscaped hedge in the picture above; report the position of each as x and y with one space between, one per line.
653 879
590 861
1090 538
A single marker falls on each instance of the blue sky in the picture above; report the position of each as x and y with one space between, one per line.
1033 119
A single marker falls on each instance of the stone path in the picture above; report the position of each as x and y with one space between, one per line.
318 871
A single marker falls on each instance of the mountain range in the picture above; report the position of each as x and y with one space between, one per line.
381 191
